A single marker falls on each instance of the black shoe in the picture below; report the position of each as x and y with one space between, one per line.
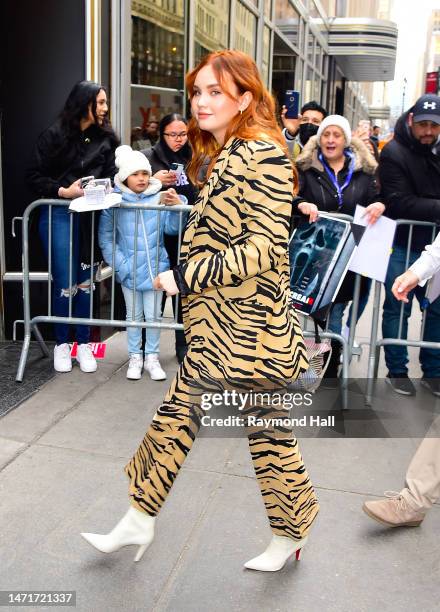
433 384
401 384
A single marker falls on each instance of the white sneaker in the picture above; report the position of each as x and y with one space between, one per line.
85 358
62 361
135 364
153 367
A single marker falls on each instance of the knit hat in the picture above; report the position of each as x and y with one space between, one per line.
338 120
129 162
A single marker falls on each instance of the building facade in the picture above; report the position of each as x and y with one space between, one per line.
329 51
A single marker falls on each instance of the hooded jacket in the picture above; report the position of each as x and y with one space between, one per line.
315 185
409 173
148 261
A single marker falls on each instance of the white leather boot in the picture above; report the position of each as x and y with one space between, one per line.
276 554
135 528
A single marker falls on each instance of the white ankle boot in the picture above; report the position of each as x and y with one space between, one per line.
276 554
135 528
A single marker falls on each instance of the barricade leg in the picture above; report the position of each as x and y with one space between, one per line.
40 340
374 354
23 357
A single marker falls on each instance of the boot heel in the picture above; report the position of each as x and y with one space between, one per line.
140 552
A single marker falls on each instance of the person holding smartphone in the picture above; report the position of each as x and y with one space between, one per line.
298 130
79 145
169 158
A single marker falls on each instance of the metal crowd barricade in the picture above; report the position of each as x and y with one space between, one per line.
348 350
375 342
31 323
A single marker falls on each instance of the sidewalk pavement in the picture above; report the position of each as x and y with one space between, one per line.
62 454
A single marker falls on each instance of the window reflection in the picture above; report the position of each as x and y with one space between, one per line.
212 27
245 30
157 61
287 19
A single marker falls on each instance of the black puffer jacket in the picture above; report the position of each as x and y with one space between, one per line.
316 187
58 162
409 174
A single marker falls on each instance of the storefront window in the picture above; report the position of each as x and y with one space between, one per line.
287 19
245 30
268 9
157 60
212 27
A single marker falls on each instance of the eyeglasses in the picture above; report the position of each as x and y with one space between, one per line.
175 136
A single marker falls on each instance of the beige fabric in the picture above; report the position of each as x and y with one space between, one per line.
423 475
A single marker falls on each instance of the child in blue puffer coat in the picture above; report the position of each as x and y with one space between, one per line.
137 186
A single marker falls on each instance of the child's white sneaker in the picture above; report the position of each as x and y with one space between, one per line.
135 364
153 367
85 358
62 361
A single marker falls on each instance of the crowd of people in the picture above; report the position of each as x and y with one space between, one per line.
244 178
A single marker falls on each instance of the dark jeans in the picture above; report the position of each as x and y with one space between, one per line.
396 357
60 271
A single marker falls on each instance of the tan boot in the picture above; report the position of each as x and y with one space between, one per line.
393 511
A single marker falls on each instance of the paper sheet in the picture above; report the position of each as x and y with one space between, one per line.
372 255
80 204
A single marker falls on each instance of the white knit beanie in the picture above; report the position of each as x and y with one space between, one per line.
338 120
129 162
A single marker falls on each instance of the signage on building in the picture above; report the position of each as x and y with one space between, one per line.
432 82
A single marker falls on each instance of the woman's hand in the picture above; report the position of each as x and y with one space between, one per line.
310 210
291 125
373 212
170 197
166 177
404 284
73 191
165 282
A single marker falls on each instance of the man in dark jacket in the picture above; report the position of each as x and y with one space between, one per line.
409 173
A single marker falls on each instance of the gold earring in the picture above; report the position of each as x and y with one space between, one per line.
241 111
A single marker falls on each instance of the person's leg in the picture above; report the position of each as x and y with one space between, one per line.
288 494
423 476
408 508
167 442
335 325
152 301
81 303
152 309
363 301
396 357
134 312
60 264
430 358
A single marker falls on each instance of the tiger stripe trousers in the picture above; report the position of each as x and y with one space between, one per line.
288 495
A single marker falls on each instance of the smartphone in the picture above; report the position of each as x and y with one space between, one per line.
291 102
177 168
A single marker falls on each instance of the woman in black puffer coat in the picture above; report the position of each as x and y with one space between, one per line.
336 173
80 143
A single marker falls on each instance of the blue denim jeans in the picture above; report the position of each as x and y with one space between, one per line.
60 271
143 308
396 357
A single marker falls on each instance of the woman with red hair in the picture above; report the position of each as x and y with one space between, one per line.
233 277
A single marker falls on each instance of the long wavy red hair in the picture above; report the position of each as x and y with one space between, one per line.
257 122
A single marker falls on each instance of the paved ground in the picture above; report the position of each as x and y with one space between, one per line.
61 458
